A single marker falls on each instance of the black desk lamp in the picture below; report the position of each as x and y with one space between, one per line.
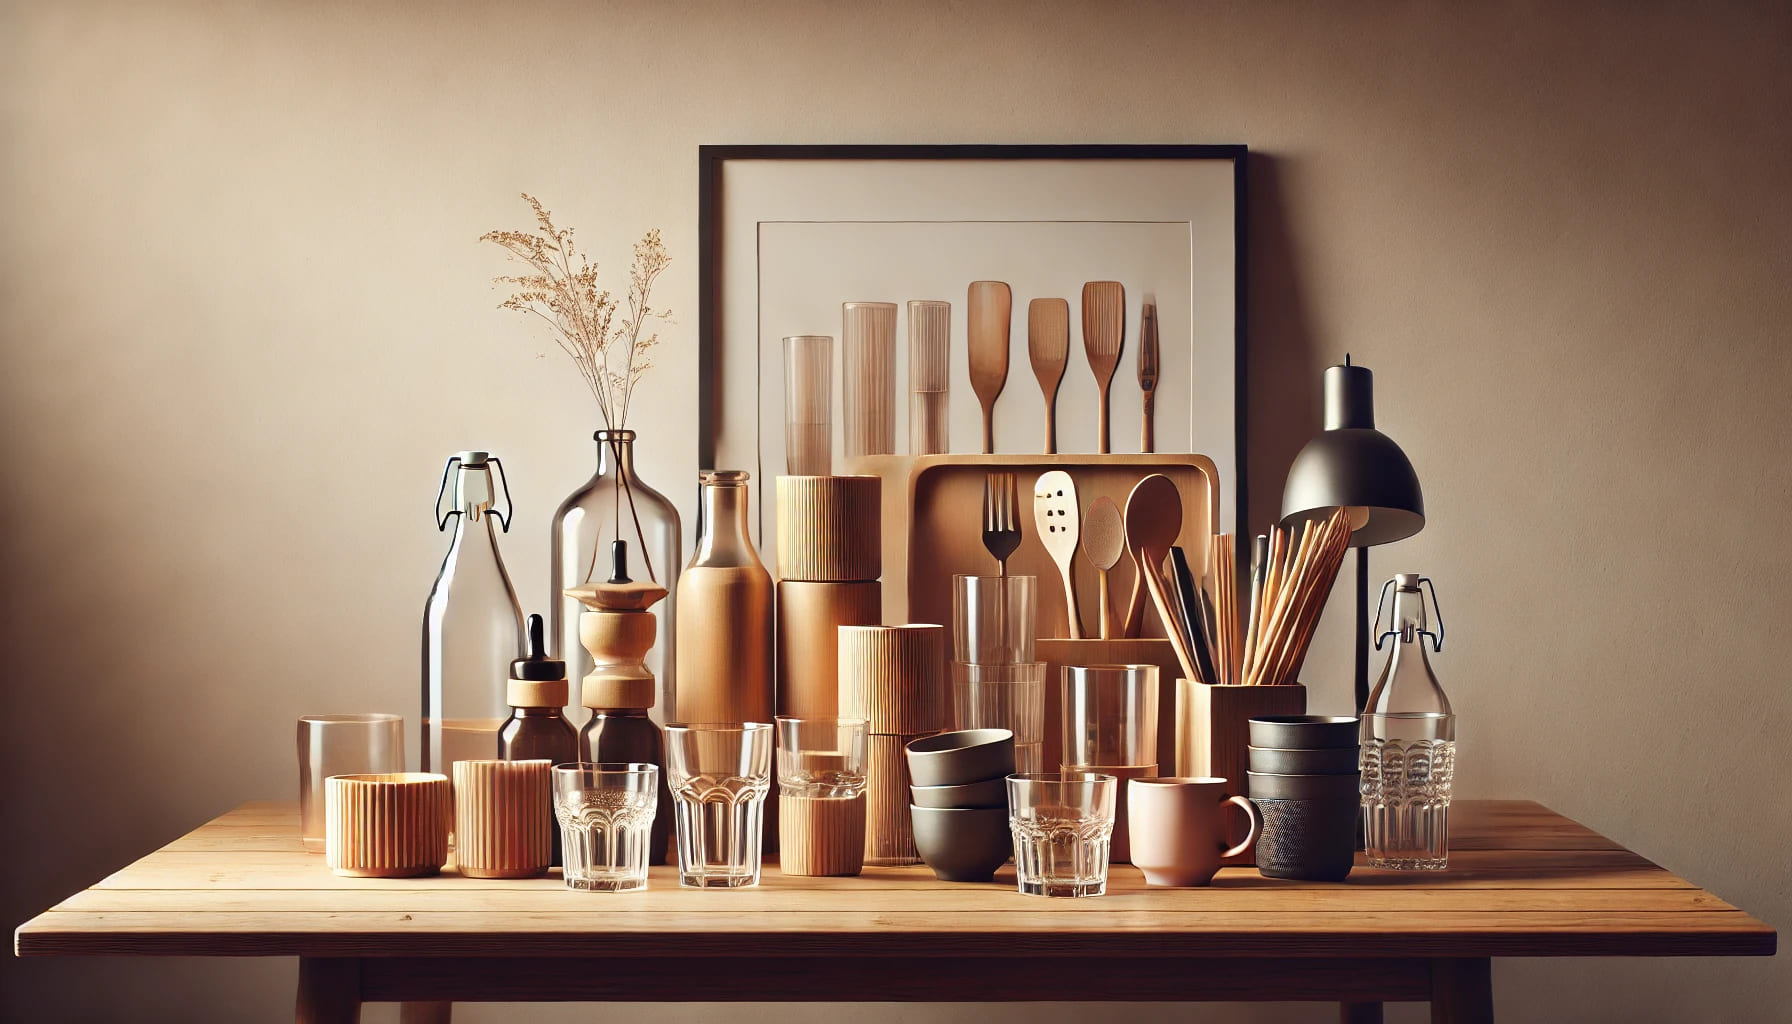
1358 467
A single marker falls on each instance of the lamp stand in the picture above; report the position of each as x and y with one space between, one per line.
1362 629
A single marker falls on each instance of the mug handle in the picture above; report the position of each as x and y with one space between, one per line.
1250 811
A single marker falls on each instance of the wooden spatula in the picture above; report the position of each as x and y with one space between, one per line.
1056 518
1104 329
1153 521
1104 541
989 308
1148 371
1048 345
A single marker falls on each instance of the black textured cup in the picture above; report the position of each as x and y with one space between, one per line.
1310 838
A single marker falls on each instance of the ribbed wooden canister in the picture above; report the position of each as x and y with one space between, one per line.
387 826
895 678
503 818
809 619
889 832
830 528
821 836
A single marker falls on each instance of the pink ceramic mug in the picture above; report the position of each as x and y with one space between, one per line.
1178 828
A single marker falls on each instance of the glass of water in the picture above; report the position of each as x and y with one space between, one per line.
1062 823
719 776
606 823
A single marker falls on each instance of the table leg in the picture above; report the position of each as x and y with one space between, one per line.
1359 1013
329 990
426 1013
1462 991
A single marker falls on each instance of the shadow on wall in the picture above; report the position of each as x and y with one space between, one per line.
1282 365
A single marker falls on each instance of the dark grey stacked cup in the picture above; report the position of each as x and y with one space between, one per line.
1304 775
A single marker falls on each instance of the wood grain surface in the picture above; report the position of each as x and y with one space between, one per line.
1523 881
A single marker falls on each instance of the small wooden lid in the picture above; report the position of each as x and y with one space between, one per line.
830 528
895 678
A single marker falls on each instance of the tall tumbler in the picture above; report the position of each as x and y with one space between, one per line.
1008 697
809 405
342 745
929 376
720 775
1110 726
993 619
868 377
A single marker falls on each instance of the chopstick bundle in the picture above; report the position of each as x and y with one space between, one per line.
1298 578
1227 640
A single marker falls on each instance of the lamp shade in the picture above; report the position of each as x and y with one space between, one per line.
1352 464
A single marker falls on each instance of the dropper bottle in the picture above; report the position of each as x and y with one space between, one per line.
536 728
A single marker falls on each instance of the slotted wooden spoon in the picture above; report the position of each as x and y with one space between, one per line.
1153 521
1104 329
1048 345
1056 517
989 309
1104 541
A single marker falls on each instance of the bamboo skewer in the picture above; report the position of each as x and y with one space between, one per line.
1298 578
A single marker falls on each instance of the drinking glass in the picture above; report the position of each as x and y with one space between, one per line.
1062 823
342 745
606 823
1110 715
821 758
868 377
720 775
992 619
809 405
1008 697
929 376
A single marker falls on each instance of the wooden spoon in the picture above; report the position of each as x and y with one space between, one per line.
1048 345
1056 515
1153 521
1104 330
1104 541
989 308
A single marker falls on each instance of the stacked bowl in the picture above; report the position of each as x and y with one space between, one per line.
958 786
1304 775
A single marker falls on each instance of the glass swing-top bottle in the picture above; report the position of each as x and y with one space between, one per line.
1409 740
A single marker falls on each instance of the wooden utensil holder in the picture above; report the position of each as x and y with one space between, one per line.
1213 731
1057 653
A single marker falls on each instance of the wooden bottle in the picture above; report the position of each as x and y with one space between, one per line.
724 641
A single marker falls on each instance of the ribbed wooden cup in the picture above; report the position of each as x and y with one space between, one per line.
387 826
889 832
830 528
503 818
821 837
895 678
809 619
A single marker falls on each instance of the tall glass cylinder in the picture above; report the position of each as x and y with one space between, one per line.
809 405
584 525
868 377
929 376
472 623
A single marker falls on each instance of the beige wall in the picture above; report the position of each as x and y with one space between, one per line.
243 318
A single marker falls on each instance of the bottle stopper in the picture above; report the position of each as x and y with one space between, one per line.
618 630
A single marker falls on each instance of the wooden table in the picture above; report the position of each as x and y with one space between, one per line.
1523 881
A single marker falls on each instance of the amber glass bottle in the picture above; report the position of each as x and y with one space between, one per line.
536 728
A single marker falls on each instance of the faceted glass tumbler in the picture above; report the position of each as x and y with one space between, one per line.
342 745
1062 823
720 775
821 758
606 823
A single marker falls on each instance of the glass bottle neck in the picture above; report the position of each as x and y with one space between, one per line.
723 539
473 493
536 713
616 453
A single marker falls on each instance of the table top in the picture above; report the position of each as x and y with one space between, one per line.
1522 881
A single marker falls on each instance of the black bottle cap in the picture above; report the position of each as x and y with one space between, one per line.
537 666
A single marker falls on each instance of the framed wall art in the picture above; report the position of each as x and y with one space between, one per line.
788 234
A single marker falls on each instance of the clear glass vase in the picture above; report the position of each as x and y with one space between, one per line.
590 518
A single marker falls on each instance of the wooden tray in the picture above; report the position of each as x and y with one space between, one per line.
945 530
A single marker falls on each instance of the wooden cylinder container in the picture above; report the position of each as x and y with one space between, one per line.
889 833
895 678
387 826
830 528
503 818
821 836
809 619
